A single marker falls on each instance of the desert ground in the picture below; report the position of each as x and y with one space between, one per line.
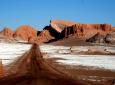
77 61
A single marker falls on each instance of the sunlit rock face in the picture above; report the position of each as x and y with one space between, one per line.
26 32
86 30
59 25
6 35
46 35
62 29
7 32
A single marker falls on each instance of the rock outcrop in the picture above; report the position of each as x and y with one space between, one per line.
59 29
100 38
67 28
59 25
45 35
23 33
110 38
86 30
26 33
97 38
8 33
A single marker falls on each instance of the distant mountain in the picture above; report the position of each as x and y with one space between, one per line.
58 29
22 33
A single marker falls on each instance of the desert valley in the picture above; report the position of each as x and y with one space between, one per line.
63 53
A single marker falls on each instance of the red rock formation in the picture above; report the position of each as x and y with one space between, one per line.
7 33
26 32
113 29
81 30
45 35
110 38
86 30
59 29
97 38
59 25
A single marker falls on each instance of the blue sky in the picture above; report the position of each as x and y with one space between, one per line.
38 13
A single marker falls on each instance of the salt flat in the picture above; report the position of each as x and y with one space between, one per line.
10 51
95 61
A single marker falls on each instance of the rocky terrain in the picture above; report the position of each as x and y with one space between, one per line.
60 29
26 33
74 54
6 35
23 33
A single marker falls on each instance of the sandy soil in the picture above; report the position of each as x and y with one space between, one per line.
71 41
97 76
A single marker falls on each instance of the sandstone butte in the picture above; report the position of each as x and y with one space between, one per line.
67 28
53 31
87 30
59 25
